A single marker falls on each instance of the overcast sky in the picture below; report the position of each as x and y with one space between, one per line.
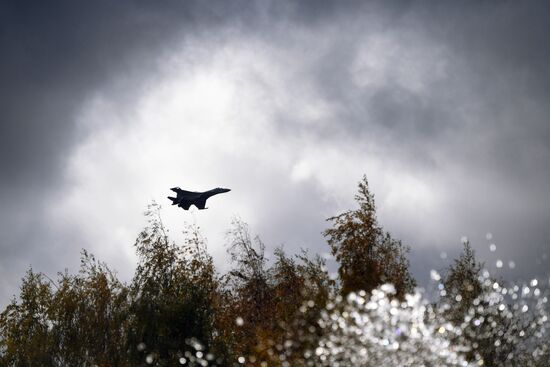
105 105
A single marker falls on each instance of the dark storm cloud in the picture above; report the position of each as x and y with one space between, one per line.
55 54
484 114
497 68
481 122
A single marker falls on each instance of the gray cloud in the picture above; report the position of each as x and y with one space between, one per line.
53 57
55 54
443 106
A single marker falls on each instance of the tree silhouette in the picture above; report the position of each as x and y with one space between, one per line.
368 256
491 325
172 296
25 338
81 320
178 309
272 308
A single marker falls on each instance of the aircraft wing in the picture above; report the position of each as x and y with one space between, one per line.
184 205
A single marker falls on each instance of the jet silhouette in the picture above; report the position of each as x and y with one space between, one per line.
185 199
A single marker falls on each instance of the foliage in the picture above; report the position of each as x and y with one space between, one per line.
78 321
462 284
379 330
368 256
89 313
25 337
495 325
172 295
283 311
272 306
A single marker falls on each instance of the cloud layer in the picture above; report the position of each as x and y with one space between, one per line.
289 104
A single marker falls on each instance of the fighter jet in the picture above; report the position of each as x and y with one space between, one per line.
185 199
